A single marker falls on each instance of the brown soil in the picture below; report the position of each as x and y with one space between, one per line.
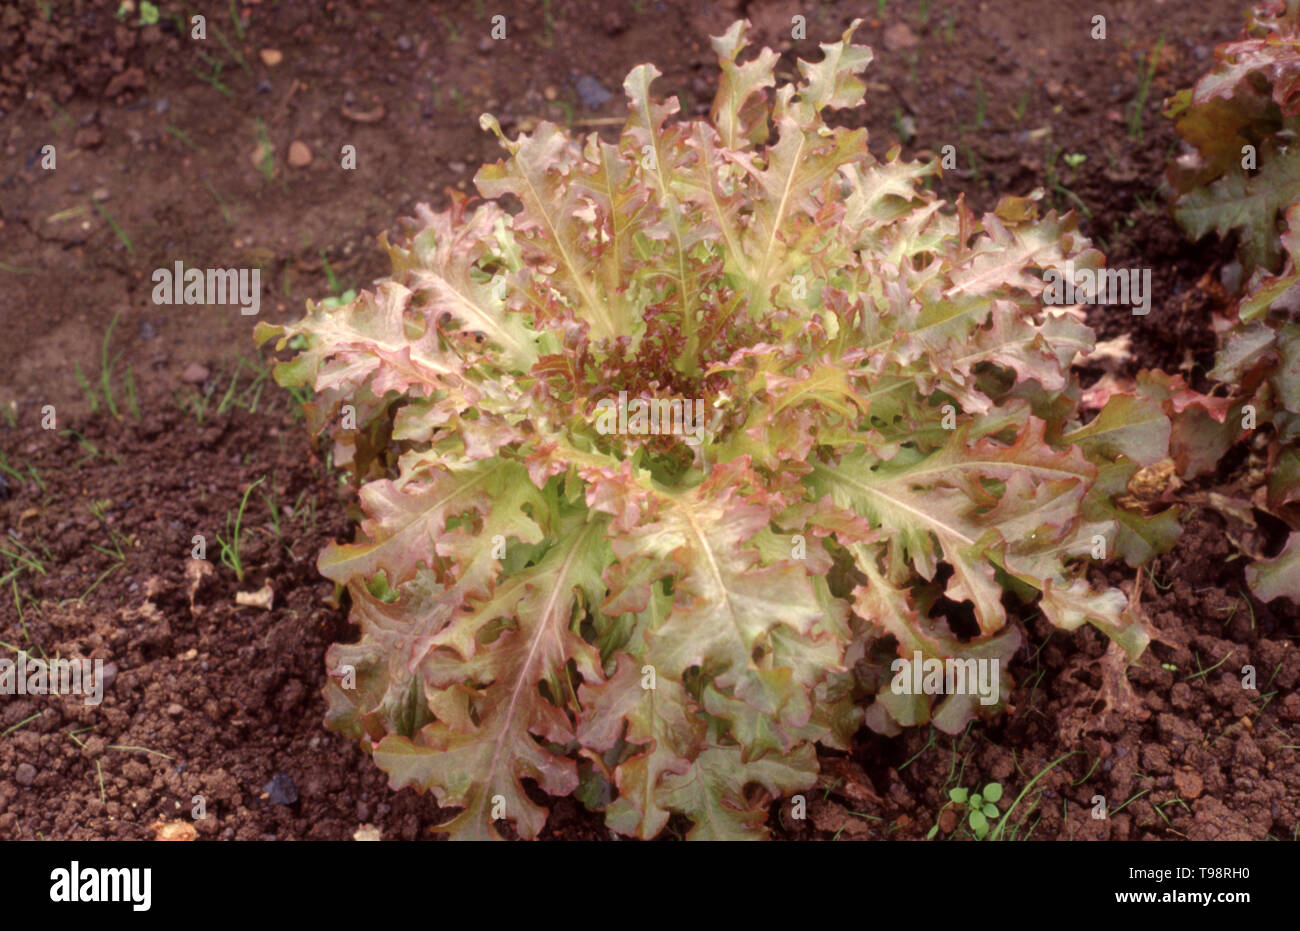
1177 748
225 697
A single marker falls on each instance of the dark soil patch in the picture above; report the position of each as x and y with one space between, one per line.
205 697
230 694
1177 748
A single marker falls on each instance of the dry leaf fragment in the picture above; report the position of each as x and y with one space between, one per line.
174 830
262 598
1116 693
1154 481
196 570
373 115
1110 352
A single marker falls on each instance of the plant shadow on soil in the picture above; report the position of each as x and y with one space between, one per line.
209 698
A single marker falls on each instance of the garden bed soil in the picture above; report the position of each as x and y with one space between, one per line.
218 700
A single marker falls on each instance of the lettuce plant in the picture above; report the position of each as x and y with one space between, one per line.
1242 171
1242 175
1260 358
666 460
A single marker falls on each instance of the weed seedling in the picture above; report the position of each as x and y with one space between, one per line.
981 103
24 721
273 506
929 742
7 468
21 559
980 808
340 296
1002 823
213 80
1018 111
225 213
196 402
267 162
230 49
182 136
106 367
108 218
230 548
1135 115
546 40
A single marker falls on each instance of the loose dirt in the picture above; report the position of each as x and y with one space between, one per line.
228 152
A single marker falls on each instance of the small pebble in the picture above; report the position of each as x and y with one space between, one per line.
612 22
25 774
299 154
272 57
281 789
195 374
88 138
899 36
594 95
174 710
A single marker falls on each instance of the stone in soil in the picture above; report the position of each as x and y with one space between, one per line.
899 36
281 789
195 374
1188 783
593 94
